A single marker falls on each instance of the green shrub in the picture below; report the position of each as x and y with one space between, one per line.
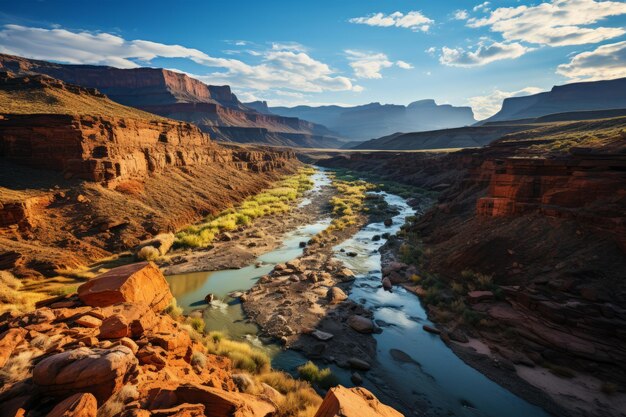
173 310
324 378
197 323
198 359
148 253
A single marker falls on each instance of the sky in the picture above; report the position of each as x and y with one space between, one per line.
349 52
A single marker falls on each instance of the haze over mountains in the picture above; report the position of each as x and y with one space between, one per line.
420 125
374 120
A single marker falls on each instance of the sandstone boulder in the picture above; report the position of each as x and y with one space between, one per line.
353 402
475 297
114 327
361 324
77 405
101 372
336 295
141 282
140 317
218 403
8 341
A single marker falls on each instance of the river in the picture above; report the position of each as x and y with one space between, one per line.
435 383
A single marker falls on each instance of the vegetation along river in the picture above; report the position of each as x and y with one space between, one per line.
414 371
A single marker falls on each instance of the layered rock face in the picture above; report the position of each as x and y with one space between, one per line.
547 226
62 360
107 149
179 97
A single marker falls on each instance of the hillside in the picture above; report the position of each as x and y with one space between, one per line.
462 137
90 177
177 96
584 96
375 120
525 248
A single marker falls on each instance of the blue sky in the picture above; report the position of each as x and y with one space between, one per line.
341 51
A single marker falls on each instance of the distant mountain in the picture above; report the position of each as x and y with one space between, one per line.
215 109
461 137
595 95
374 120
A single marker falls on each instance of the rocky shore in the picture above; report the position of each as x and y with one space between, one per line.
109 350
304 304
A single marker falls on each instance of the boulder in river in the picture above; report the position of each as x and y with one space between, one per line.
210 297
361 324
431 329
388 222
320 335
359 364
336 295
387 284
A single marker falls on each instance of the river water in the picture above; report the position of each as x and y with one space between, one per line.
435 383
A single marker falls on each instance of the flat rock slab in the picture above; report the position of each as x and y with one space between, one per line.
320 335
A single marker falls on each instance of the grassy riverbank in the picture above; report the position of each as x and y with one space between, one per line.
273 201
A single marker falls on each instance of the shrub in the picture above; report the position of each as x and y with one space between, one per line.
243 355
324 378
116 403
471 317
196 323
173 310
148 253
415 278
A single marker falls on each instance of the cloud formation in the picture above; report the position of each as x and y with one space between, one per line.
285 66
555 23
484 54
370 64
488 105
603 63
412 20
461 15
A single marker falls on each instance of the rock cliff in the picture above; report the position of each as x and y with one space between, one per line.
72 157
178 96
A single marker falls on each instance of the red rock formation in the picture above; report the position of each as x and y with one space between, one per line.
80 368
353 402
140 283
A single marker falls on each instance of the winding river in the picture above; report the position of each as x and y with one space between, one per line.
430 381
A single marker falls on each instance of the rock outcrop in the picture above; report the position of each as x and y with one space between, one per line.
353 402
139 283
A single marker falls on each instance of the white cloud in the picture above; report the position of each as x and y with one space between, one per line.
484 54
488 105
370 64
431 51
285 66
413 20
367 64
554 23
482 6
603 63
404 65
460 15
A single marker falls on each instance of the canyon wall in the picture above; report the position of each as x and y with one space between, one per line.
109 149
547 226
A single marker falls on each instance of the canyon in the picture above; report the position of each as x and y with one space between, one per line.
538 214
112 172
